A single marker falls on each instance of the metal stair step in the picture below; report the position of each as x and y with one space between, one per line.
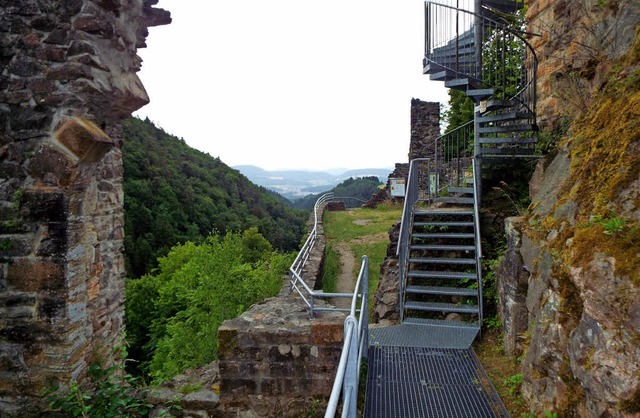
507 151
505 6
465 83
450 212
444 247
497 104
441 291
505 117
509 128
442 75
421 274
423 260
501 159
480 92
443 223
429 67
453 199
441 323
440 307
509 140
467 190
456 235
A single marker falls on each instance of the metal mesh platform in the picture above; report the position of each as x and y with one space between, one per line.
423 335
428 382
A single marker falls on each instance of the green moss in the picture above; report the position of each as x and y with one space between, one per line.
605 159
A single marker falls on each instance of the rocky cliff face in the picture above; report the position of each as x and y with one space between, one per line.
67 76
570 283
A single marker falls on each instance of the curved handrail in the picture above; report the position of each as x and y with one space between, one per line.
460 61
296 280
354 349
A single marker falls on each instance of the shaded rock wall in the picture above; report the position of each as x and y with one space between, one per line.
67 76
578 40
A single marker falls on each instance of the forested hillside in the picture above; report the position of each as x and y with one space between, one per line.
174 193
359 190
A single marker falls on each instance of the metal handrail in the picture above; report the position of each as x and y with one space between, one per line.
297 282
354 349
412 196
476 227
452 154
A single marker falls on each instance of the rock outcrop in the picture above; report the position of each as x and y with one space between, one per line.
570 283
67 76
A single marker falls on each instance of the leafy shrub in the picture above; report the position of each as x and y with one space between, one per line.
109 392
173 315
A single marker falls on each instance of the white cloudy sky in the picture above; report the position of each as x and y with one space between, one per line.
289 84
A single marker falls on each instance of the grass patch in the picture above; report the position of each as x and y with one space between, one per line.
366 233
331 270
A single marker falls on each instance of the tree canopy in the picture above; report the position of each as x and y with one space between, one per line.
174 194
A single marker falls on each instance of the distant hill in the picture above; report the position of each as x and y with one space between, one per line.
174 193
295 184
355 191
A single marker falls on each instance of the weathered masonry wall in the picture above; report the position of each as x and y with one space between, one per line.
67 77
275 360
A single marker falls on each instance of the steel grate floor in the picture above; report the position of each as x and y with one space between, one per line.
410 335
428 382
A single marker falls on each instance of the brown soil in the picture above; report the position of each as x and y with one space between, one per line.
500 368
345 281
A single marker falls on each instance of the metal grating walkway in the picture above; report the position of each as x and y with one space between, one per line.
428 369
423 335
428 382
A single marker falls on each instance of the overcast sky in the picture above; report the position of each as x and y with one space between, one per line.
289 84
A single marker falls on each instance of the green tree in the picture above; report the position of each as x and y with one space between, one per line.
173 315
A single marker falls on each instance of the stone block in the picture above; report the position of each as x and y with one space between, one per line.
227 340
35 274
84 139
324 333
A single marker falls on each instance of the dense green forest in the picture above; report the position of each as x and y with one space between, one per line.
174 194
359 190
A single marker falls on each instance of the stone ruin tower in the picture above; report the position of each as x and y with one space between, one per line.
425 128
67 77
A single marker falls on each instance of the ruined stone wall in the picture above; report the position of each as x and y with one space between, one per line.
275 359
425 128
67 76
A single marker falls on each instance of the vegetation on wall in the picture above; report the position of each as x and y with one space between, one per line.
174 193
604 149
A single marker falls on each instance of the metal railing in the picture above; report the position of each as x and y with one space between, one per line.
503 60
296 271
453 154
419 187
354 349
476 226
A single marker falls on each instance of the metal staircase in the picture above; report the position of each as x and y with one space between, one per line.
481 53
